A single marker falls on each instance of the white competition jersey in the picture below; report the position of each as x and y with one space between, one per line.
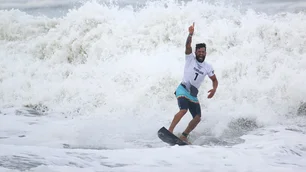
195 72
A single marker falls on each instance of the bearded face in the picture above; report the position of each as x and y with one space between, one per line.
200 54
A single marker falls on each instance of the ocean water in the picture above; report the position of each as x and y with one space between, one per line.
57 8
85 85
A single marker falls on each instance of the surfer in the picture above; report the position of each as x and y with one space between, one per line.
186 93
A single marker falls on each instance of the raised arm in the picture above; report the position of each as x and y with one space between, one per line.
188 49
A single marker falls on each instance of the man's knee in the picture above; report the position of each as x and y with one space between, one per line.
183 111
197 118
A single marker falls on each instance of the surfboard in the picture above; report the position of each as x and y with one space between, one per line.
167 137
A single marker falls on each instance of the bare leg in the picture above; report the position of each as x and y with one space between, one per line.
192 124
177 119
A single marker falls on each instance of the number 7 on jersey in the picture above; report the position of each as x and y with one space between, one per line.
196 76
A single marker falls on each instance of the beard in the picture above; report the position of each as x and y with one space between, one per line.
200 58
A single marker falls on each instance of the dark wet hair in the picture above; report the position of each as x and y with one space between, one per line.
200 45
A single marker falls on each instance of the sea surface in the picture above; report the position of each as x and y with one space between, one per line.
86 85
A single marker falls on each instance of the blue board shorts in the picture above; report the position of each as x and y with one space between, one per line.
186 101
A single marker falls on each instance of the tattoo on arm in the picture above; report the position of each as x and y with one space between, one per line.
188 41
188 44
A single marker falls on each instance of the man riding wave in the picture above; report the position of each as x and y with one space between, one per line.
186 93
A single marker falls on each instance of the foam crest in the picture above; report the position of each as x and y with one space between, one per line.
112 61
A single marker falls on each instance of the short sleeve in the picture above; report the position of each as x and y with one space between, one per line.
210 71
189 57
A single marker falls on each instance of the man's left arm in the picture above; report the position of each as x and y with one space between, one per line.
215 86
214 81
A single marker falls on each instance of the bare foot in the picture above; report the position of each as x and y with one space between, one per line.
185 139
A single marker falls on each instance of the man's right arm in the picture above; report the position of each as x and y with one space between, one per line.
188 49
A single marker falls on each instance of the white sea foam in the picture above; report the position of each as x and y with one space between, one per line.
112 72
